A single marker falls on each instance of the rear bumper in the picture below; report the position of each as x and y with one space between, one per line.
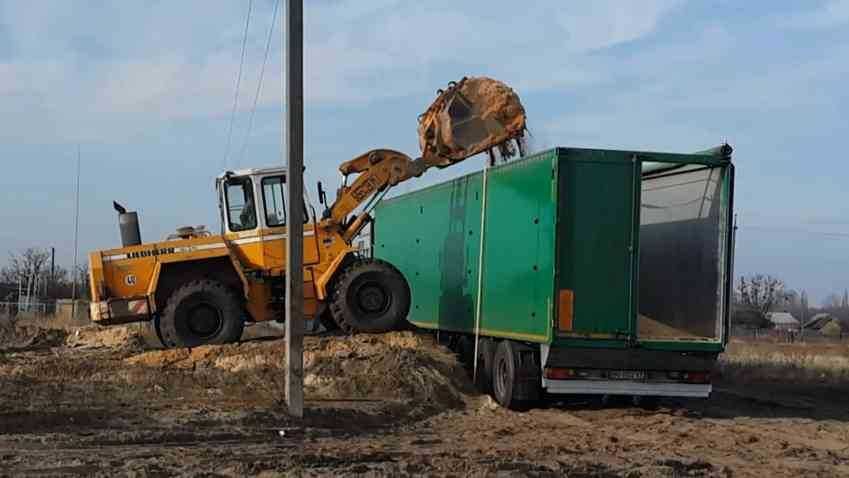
624 387
120 311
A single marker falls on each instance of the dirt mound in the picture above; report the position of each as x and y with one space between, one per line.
23 335
399 366
118 337
47 332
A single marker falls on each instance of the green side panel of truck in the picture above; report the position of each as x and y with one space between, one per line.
519 249
439 256
567 219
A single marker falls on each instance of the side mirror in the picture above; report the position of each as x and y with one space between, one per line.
322 197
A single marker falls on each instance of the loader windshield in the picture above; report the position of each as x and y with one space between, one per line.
241 212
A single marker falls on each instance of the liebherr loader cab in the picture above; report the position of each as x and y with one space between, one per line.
196 288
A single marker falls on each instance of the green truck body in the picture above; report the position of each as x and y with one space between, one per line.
611 265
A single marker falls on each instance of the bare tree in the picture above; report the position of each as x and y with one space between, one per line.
760 293
804 305
794 302
23 266
30 269
831 301
32 266
83 290
791 299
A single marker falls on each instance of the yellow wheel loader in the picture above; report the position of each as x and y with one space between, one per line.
196 288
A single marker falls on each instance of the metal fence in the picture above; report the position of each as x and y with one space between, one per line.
29 309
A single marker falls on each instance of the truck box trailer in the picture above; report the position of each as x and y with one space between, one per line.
574 271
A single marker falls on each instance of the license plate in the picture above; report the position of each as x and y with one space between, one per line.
627 375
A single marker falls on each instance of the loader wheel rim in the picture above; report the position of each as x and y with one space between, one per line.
204 321
372 298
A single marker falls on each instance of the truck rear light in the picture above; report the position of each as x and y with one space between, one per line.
565 310
560 373
696 377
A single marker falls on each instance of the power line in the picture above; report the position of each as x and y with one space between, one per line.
796 229
259 83
238 83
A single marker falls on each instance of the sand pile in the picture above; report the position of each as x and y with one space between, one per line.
48 332
21 335
651 328
400 366
117 336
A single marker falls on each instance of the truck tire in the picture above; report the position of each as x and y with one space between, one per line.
505 369
199 313
370 295
465 352
486 356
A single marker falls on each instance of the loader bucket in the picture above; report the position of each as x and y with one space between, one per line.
472 116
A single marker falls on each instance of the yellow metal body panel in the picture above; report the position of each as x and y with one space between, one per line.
258 256
95 270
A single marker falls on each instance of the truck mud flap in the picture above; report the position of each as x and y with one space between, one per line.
528 375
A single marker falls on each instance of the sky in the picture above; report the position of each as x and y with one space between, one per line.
146 89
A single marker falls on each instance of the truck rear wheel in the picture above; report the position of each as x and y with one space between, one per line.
486 355
504 370
370 296
199 313
516 381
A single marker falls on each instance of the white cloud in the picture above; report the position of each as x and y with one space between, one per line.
832 14
94 69
600 24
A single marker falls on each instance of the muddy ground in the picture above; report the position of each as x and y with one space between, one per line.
93 402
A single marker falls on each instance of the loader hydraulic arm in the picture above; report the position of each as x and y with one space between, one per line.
471 116
377 170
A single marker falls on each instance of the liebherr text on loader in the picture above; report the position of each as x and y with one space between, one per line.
197 288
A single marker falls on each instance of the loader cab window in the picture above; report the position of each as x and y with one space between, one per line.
272 196
241 212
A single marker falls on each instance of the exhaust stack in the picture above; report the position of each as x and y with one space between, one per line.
128 222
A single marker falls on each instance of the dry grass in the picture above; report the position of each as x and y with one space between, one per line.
754 362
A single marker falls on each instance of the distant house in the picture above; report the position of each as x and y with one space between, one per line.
783 321
746 318
818 321
822 324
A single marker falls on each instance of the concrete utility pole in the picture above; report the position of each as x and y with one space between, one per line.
76 236
294 131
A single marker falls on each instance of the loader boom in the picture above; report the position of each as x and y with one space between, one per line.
471 116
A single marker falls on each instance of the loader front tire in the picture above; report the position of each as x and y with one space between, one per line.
199 313
370 295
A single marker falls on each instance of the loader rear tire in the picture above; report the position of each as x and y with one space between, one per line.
199 313
370 295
